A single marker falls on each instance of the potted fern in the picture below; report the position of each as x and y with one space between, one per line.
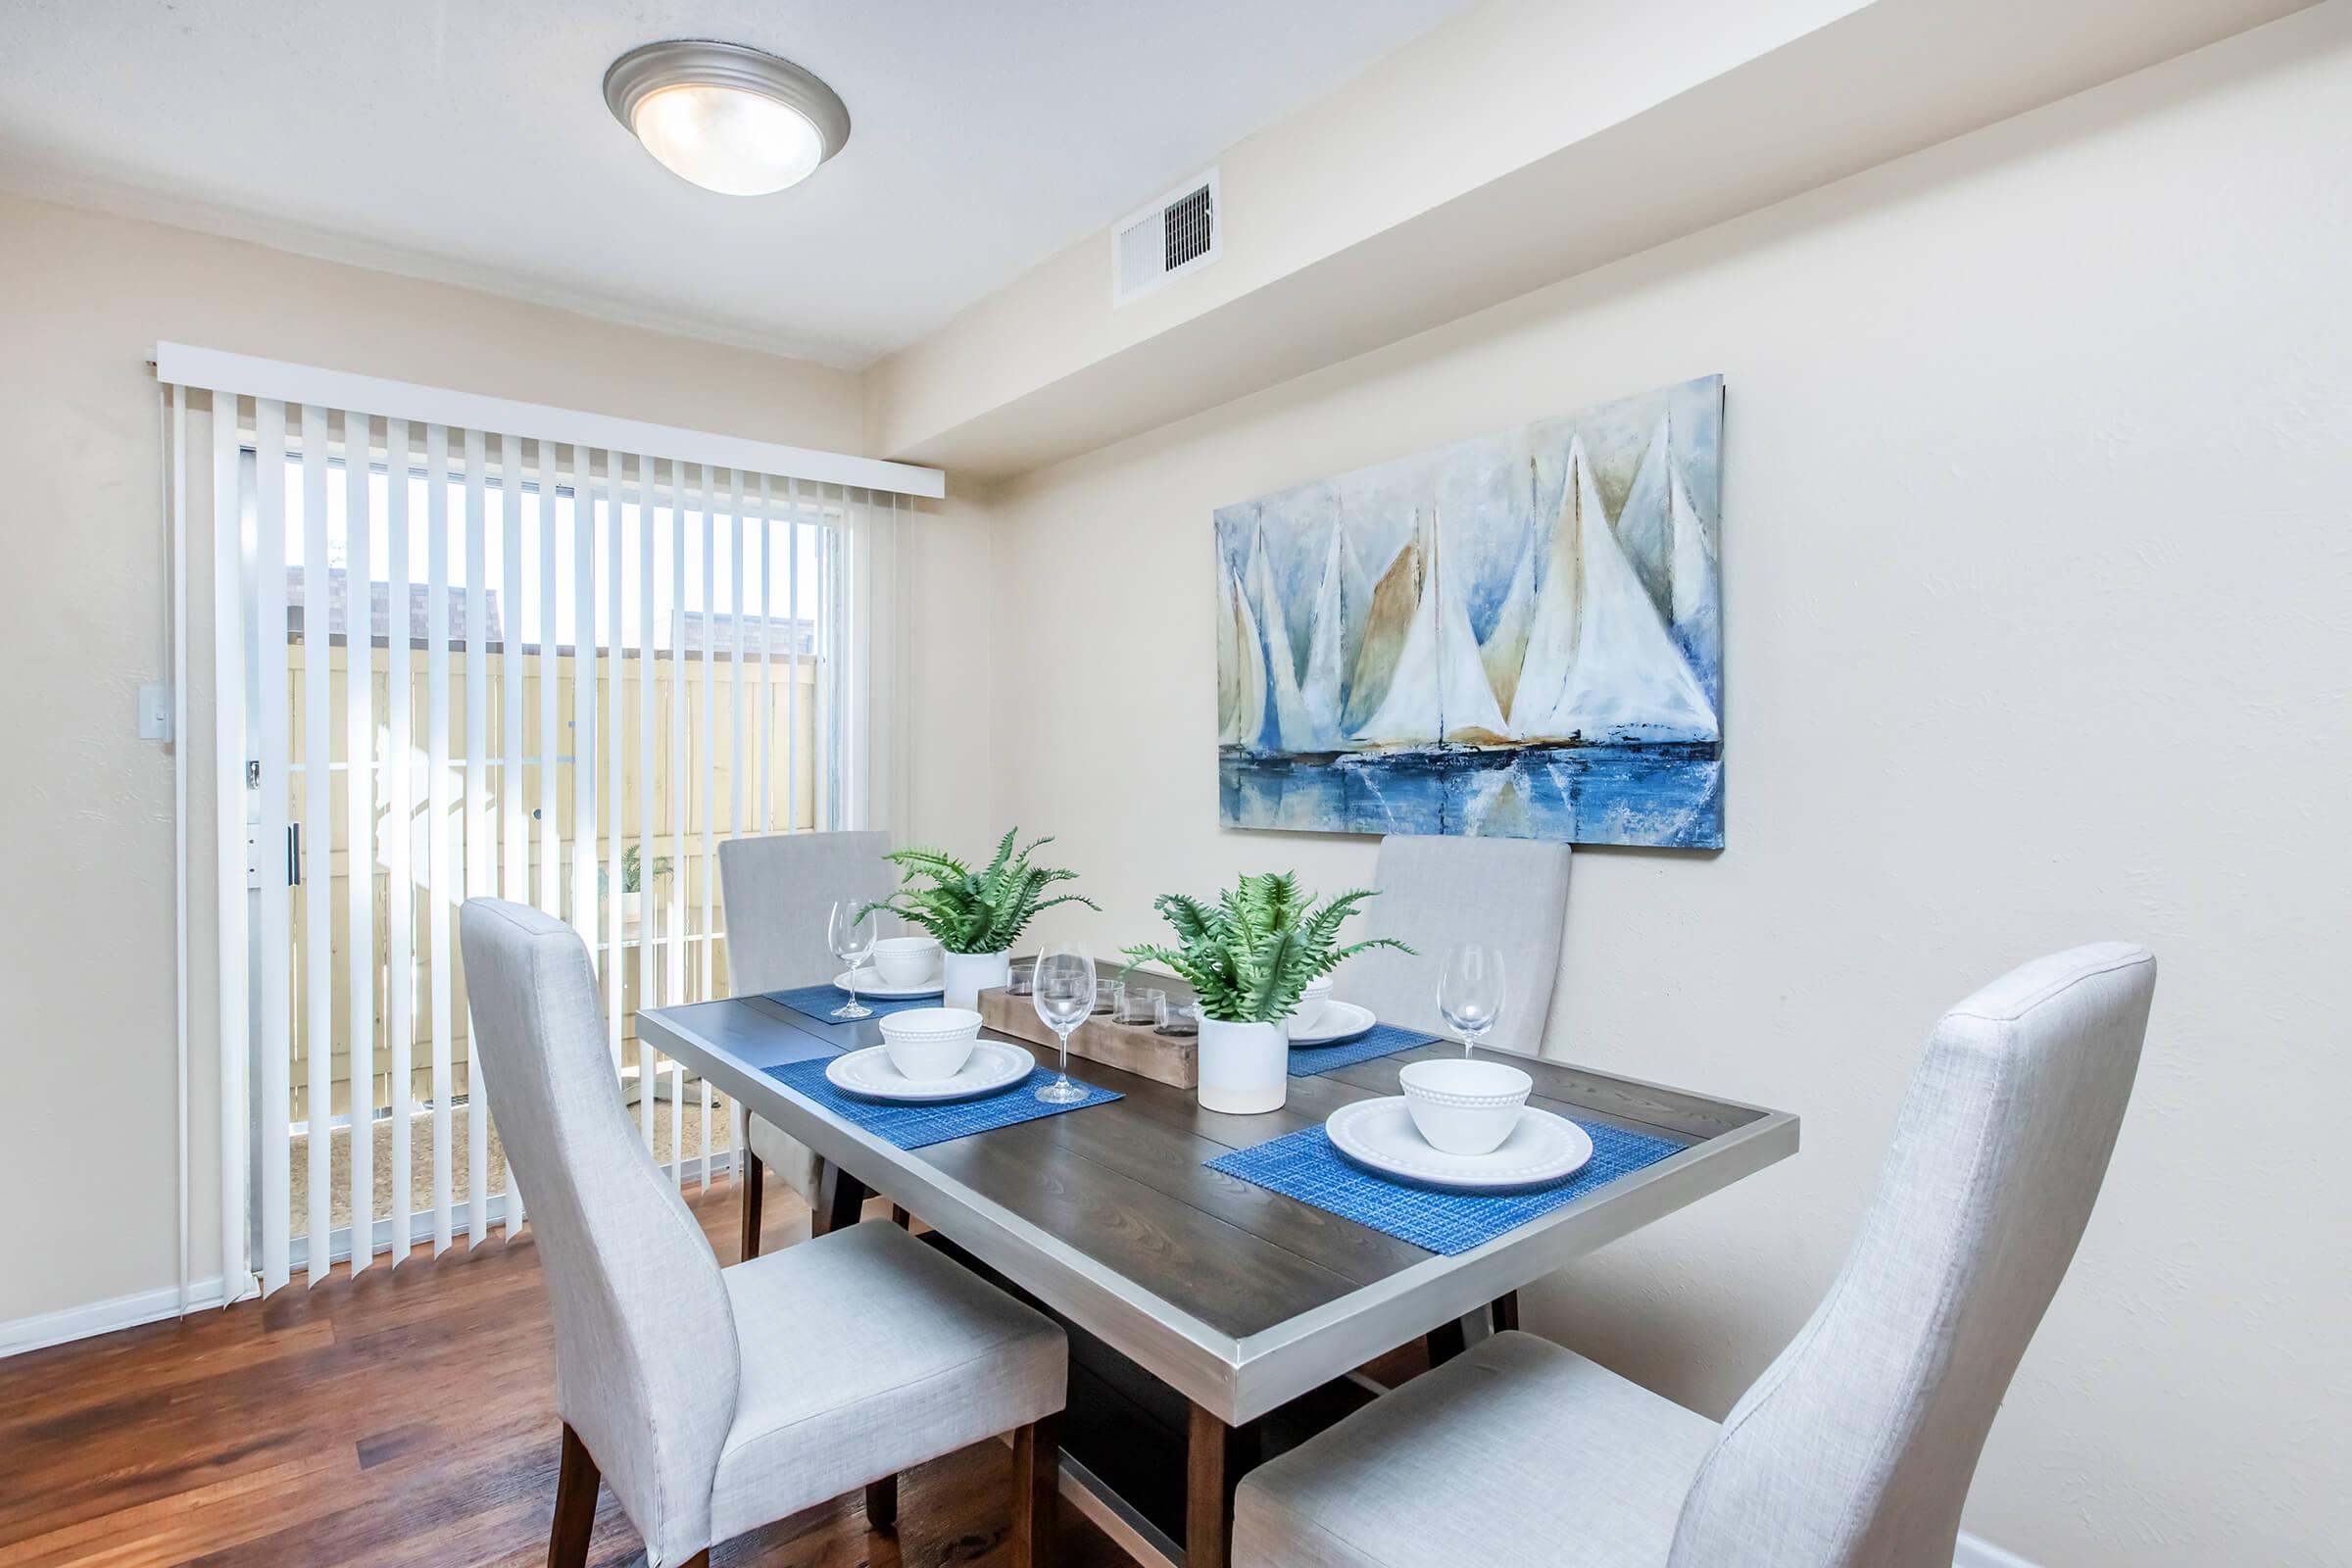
976 916
1249 957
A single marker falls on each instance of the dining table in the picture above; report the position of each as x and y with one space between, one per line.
1210 1318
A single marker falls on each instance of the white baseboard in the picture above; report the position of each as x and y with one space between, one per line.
1974 1551
104 1317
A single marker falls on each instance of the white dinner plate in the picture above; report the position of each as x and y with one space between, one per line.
869 984
869 1073
1380 1134
1340 1020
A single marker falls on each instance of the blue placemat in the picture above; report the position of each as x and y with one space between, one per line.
1384 1039
913 1126
817 1003
1304 1165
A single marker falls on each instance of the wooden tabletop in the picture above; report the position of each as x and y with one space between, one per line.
1238 1297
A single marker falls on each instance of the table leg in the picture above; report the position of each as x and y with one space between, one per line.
839 1198
1216 1456
1446 1342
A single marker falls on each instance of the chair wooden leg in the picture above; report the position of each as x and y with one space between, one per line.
1037 1493
1446 1342
1506 1312
840 1197
701 1559
754 1184
900 1219
576 1482
882 1505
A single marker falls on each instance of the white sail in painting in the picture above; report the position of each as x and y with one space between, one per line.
1439 689
1229 684
1247 651
1290 727
1551 631
1645 524
1695 601
1320 691
1627 680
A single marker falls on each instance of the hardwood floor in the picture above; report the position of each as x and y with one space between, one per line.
404 1417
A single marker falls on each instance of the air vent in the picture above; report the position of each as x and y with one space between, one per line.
1178 233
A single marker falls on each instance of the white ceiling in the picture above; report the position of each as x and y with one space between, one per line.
471 142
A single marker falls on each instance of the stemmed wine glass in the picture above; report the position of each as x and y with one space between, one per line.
1470 991
1063 994
850 934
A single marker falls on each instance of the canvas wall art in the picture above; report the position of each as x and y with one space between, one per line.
1519 636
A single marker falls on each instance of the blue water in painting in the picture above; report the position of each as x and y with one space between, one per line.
1669 796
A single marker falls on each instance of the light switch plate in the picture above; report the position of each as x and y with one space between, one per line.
155 711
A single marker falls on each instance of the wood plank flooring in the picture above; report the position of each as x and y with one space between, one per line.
404 1417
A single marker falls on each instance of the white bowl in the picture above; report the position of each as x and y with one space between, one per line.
1311 1002
907 961
930 1043
1464 1108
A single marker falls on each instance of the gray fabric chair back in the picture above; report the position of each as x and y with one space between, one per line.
779 891
645 1339
1510 893
1857 1446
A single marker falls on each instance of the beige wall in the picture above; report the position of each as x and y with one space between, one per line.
2036 587
86 938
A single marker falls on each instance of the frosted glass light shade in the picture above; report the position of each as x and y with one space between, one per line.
723 139
726 118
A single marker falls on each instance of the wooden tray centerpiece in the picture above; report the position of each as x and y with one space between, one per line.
1135 1047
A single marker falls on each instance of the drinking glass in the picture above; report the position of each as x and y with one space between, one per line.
1470 991
1063 994
1139 1004
850 934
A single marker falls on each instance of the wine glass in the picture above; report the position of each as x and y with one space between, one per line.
1470 991
850 934
1063 993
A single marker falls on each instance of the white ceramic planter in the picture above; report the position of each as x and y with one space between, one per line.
1244 1067
970 973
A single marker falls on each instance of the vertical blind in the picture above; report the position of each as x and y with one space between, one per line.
461 660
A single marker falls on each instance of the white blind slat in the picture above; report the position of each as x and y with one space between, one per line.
481 854
614 739
441 881
399 816
768 663
514 838
707 751
551 830
359 815
230 842
277 896
645 785
583 700
317 840
791 679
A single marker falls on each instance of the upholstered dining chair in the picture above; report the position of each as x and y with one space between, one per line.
778 890
716 1400
1509 894
1856 1446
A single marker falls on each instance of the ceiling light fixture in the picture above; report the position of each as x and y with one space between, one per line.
729 119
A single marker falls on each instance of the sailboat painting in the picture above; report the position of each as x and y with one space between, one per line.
1518 636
